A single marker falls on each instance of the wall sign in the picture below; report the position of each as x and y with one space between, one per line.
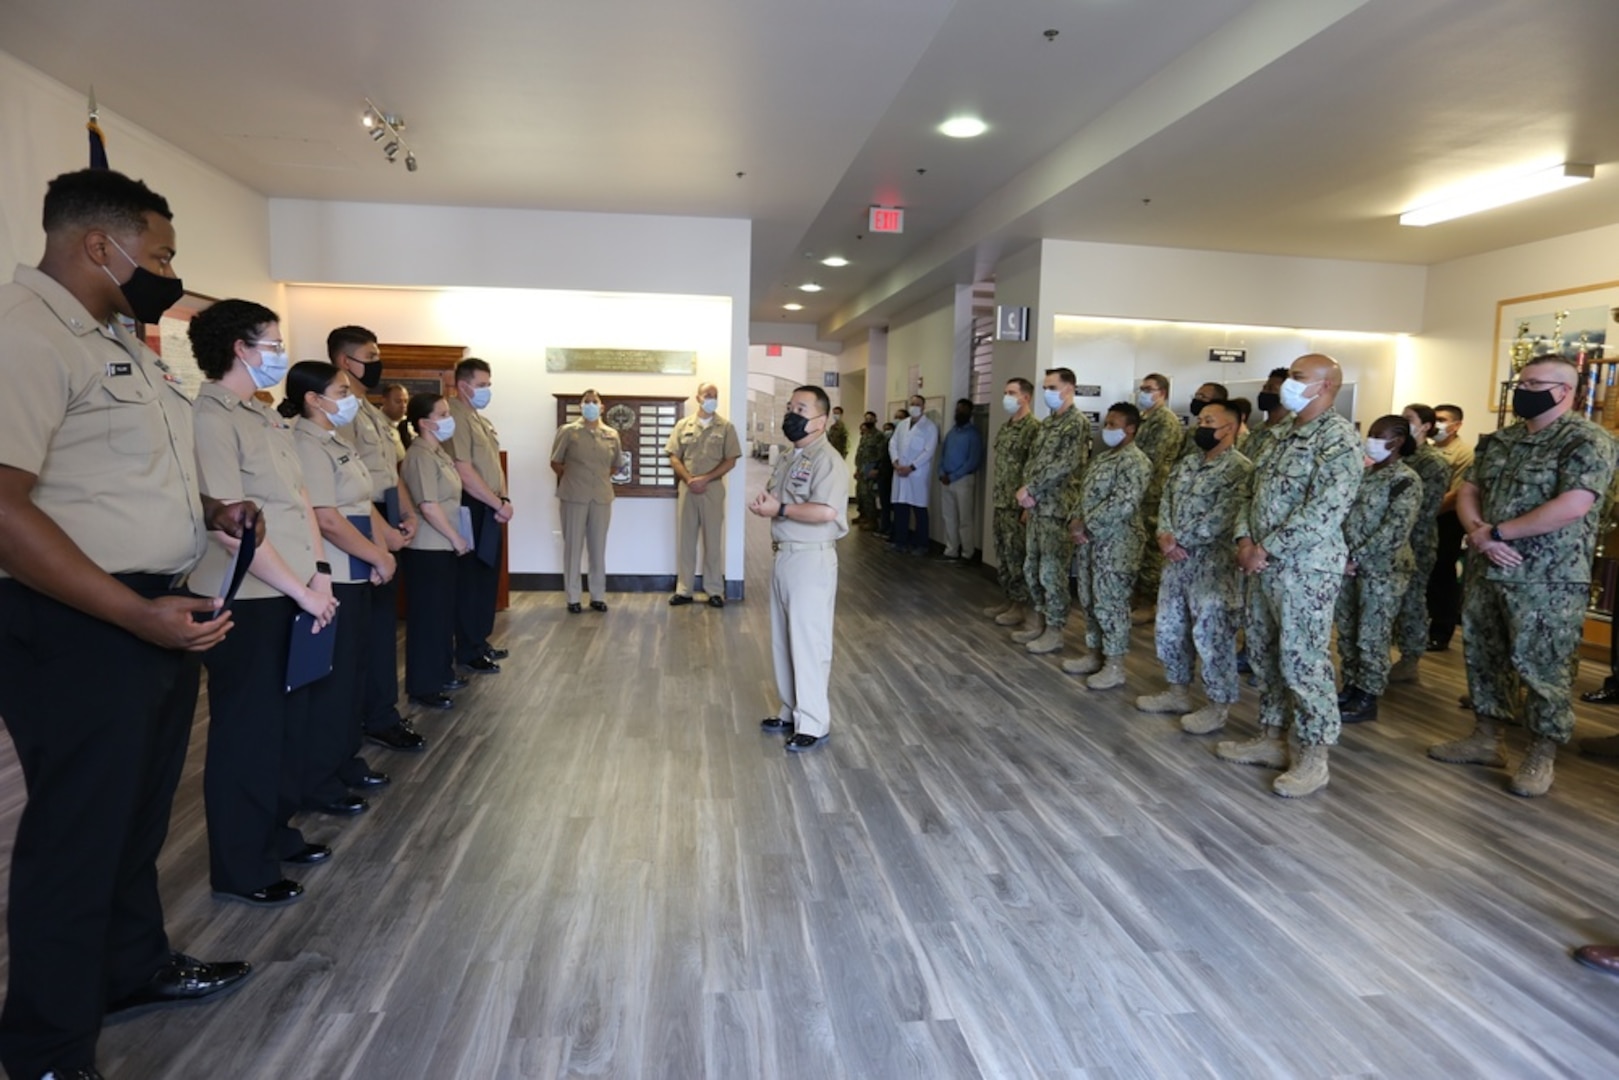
1087 390
622 361
1011 323
1228 356
885 219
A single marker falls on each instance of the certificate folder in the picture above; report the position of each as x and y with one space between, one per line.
237 570
390 507
359 569
309 655
464 525
488 537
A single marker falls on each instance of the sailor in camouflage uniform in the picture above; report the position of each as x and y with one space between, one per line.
871 449
1198 604
1108 535
1529 504
1290 542
1411 624
1050 491
1377 533
1160 439
1011 451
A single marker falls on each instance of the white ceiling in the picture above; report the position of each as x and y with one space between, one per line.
1286 126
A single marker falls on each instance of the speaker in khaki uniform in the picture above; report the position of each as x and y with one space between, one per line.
584 456
702 448
808 504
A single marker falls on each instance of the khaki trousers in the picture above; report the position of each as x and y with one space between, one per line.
584 525
960 505
803 591
703 514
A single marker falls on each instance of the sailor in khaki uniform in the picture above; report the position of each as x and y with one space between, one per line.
475 448
584 456
808 504
100 515
702 448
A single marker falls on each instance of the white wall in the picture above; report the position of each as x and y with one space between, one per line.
1451 359
222 227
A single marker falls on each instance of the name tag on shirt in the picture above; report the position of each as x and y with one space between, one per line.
120 367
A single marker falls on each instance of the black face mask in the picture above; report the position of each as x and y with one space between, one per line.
372 376
794 426
1205 438
963 419
1269 402
149 295
1531 403
1197 406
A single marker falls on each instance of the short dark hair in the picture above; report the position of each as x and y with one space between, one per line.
339 341
1220 392
465 369
821 399
304 376
1064 375
100 199
1425 414
965 401
1024 385
215 331
419 408
1160 381
1457 409
1280 373
1398 427
1131 414
1241 406
389 387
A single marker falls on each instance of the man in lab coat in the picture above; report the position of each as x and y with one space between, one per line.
915 440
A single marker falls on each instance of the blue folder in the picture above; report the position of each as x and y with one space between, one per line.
359 569
237 570
309 655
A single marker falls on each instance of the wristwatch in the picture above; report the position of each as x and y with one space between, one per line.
323 568
781 510
1495 534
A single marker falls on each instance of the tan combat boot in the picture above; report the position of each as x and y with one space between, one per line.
1482 747
1268 750
997 610
1014 614
1173 700
1048 642
1110 677
1534 776
1307 774
1207 720
1034 624
1405 669
1087 663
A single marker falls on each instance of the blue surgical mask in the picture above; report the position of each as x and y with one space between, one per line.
480 397
710 405
1053 399
1112 437
590 410
1010 403
271 370
444 429
347 408
1144 399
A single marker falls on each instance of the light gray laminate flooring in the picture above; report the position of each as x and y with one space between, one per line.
601 868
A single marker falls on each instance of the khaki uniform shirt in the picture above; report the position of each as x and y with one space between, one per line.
104 425
430 477
701 448
334 476
1517 470
1459 456
245 451
815 473
1304 482
589 459
380 448
475 441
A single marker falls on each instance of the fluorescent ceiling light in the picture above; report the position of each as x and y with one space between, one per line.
792 307
1497 191
809 286
834 260
963 127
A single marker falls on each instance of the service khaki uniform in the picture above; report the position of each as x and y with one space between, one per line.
259 734
478 591
804 583
589 456
99 718
377 441
700 448
433 567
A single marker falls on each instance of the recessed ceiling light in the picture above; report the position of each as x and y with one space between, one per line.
809 286
793 307
834 260
963 127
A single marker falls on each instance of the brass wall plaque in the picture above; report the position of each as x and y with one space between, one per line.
622 361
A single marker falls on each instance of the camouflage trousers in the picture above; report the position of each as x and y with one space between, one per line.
1198 610
1106 568
1523 635
866 496
1011 549
1289 638
1411 624
1049 554
1367 606
1152 560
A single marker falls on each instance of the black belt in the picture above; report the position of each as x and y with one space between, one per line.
150 585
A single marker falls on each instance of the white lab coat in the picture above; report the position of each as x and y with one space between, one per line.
914 443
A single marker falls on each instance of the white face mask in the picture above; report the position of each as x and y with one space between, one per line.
914 411
444 428
347 408
1144 399
1378 449
271 370
1293 399
1113 437
1441 430
1010 403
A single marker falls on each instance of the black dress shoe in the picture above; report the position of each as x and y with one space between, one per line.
775 725
497 654
1360 708
347 806
598 605
715 600
1346 694
184 980
574 609
1606 694
455 683
799 743
433 701
310 855
399 737
280 894
679 600
370 780
483 666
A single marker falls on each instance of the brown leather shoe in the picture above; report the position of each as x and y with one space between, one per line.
1602 957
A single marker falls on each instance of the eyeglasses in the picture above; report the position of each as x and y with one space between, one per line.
1538 384
278 346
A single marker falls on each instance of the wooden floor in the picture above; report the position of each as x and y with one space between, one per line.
601 868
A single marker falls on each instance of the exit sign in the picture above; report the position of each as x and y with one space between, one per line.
886 219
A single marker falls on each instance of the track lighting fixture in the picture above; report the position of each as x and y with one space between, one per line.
389 126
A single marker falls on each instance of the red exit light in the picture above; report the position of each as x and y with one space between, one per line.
886 219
